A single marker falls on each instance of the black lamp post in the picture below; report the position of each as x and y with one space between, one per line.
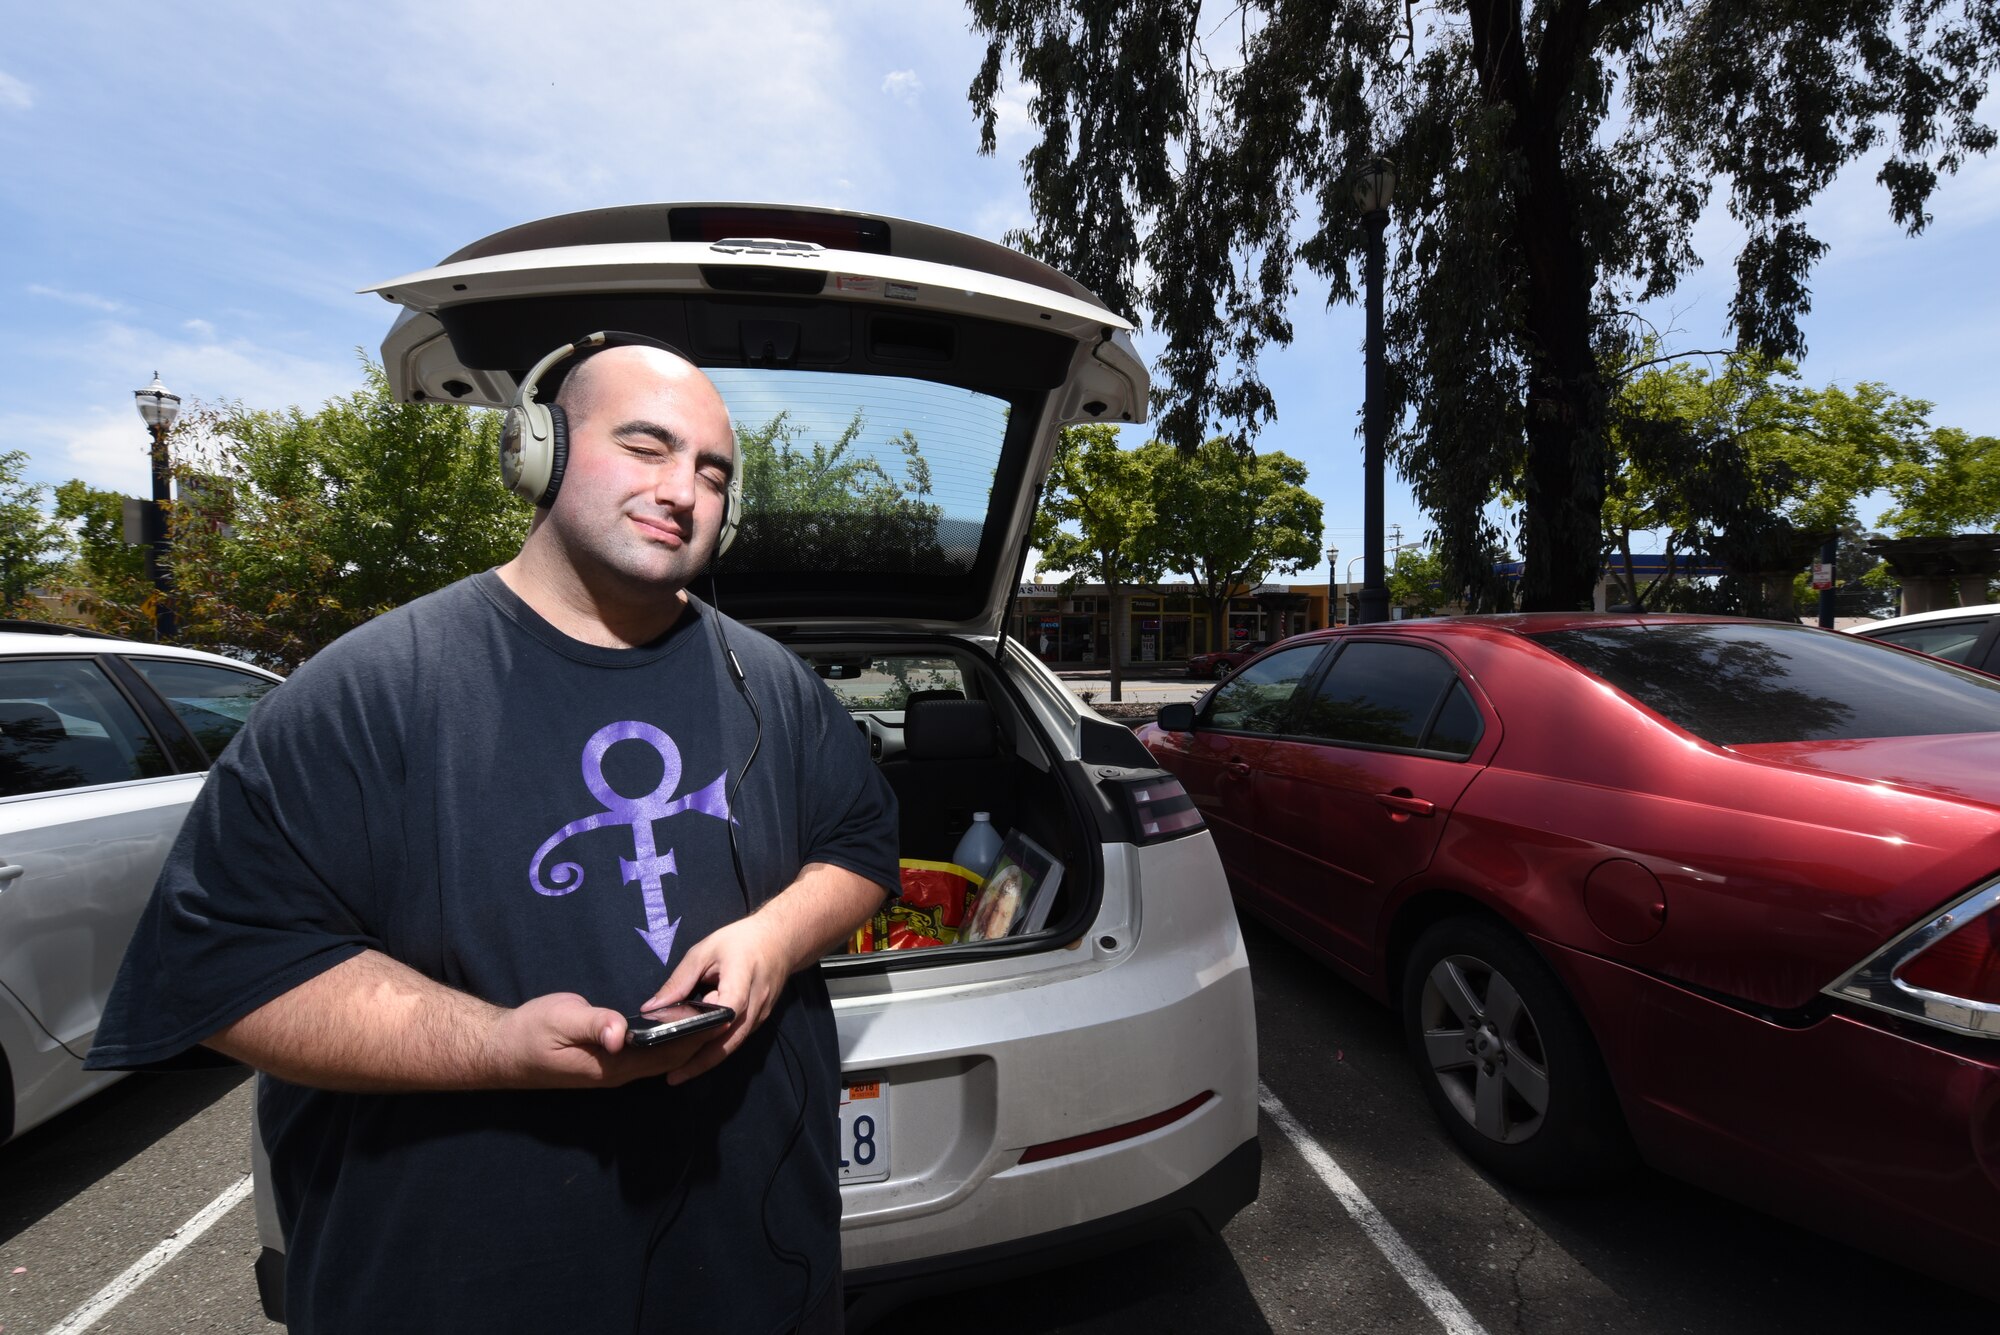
1332 585
158 408
1373 186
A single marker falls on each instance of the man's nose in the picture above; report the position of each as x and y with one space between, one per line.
673 484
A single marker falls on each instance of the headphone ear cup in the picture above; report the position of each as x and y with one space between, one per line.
558 453
732 513
524 450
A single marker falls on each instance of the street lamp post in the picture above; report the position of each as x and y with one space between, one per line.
1332 585
1373 186
158 407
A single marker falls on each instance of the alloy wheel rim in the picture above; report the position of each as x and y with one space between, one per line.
1484 1049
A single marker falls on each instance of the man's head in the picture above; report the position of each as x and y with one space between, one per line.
651 454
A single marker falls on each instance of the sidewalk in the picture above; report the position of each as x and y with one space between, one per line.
1140 686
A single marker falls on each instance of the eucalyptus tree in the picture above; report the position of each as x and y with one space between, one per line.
1553 157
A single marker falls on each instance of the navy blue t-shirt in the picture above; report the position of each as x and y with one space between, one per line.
513 813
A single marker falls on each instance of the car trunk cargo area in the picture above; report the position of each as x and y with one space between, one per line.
952 741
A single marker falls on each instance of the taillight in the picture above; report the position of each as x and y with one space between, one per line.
1963 963
1944 971
1156 807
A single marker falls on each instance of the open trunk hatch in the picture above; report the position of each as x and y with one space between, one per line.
896 388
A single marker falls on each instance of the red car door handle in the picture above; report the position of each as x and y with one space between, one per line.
1407 805
1240 768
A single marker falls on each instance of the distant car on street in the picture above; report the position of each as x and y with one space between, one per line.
103 744
1723 891
1222 662
1968 635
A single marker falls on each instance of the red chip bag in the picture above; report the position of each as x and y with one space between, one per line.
905 938
944 886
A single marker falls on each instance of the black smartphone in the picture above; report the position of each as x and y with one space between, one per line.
664 1023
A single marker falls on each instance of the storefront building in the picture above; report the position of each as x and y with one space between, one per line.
1156 626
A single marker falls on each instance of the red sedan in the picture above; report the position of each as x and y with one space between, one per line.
1222 662
1719 891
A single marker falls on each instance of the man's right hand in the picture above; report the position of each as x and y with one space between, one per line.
372 1025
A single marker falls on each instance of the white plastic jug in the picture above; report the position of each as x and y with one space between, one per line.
979 845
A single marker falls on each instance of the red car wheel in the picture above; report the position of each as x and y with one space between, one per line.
1506 1061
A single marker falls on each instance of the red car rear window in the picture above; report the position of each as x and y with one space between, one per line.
1738 684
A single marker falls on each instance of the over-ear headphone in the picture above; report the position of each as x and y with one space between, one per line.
534 440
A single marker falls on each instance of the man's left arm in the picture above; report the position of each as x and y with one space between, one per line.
744 965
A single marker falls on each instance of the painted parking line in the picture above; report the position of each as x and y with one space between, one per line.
141 1270
1430 1291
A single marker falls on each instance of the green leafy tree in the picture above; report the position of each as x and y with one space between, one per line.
1420 583
1230 517
834 505
1949 483
1747 466
1553 158
105 579
32 544
1096 521
294 528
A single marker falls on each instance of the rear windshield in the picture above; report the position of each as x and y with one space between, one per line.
861 473
1736 685
887 681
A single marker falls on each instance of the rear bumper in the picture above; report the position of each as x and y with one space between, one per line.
1882 1135
1127 1026
1200 1209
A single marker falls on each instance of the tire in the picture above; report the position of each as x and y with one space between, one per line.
1222 670
1506 1060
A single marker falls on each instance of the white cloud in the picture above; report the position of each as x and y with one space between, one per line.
635 104
98 436
199 327
904 86
103 447
14 93
1012 126
87 300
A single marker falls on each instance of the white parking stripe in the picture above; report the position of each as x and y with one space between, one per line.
141 1270
1450 1313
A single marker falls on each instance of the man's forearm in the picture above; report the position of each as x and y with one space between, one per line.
372 1025
822 908
369 1023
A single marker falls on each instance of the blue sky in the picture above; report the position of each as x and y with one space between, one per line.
208 205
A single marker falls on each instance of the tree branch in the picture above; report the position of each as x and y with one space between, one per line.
1625 371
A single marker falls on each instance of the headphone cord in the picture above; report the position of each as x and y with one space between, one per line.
794 1068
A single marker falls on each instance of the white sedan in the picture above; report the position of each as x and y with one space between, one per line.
1968 635
103 745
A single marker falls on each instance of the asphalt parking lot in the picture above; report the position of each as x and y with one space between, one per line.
1369 1221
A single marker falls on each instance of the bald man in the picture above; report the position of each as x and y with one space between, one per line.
425 885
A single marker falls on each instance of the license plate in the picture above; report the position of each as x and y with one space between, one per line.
864 1131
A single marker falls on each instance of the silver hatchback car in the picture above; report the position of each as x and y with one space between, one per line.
1081 1078
103 745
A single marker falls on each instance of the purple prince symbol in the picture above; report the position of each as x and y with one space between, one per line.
647 866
